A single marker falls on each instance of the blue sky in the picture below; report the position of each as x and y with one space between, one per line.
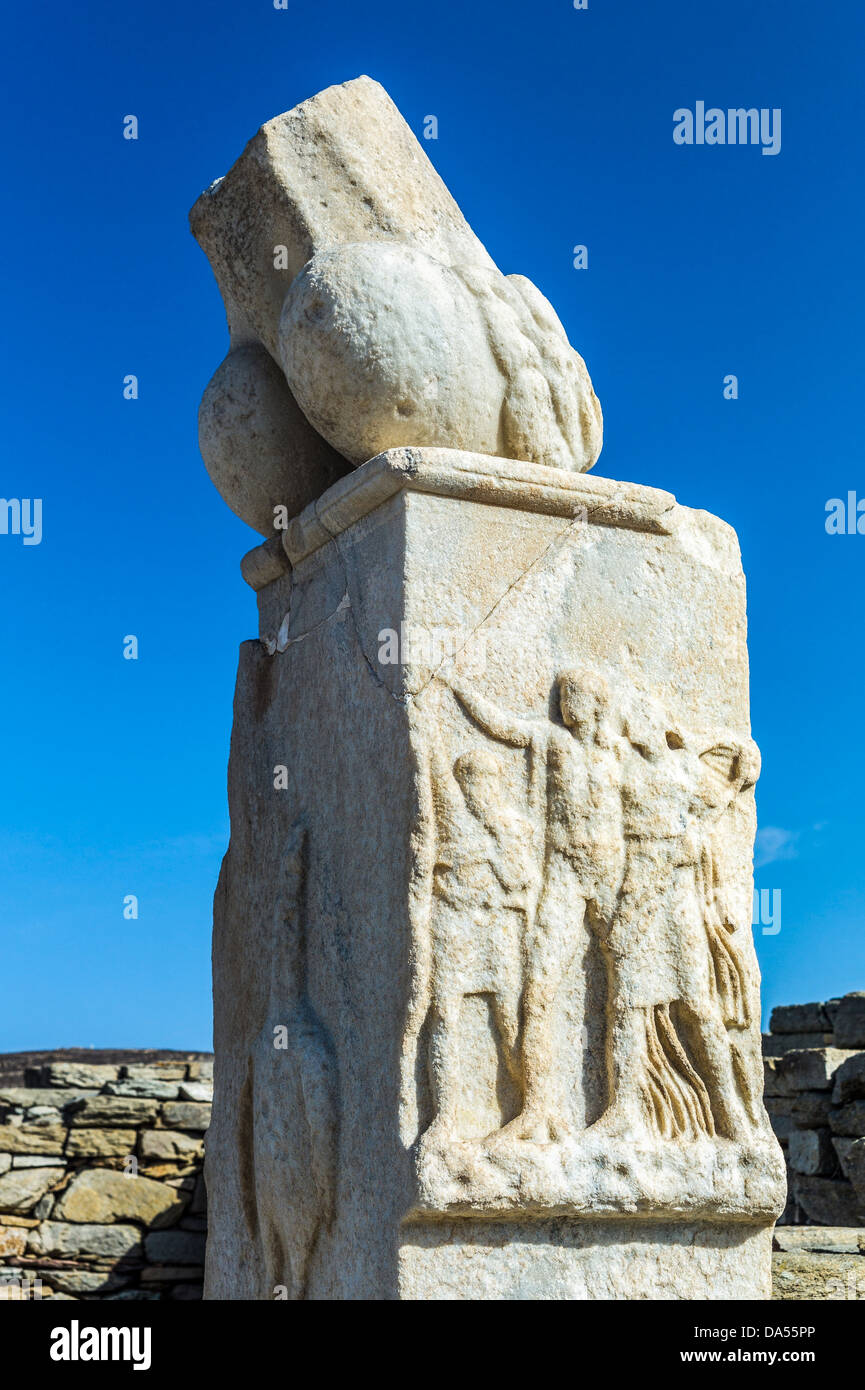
555 129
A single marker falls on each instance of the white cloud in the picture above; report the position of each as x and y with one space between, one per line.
774 843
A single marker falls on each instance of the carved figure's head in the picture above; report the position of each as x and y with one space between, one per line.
646 727
584 700
748 765
479 777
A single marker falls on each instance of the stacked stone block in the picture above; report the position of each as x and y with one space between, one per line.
819 1263
814 1058
101 1185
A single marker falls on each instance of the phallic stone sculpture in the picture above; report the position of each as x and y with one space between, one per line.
342 258
486 1000
291 1112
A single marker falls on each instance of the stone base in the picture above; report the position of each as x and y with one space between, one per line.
597 1174
580 1260
426 607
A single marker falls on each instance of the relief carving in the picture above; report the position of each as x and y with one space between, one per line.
614 837
485 887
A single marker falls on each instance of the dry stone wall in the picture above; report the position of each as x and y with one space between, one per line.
101 1184
814 1057
818 1263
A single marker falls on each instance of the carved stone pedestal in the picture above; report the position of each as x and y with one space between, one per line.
487 1018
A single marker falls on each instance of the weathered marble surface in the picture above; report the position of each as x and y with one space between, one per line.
585 1260
486 997
364 314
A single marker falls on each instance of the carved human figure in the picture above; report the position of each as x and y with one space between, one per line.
665 946
574 779
726 770
484 892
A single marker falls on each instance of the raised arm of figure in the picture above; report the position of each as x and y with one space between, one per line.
507 728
